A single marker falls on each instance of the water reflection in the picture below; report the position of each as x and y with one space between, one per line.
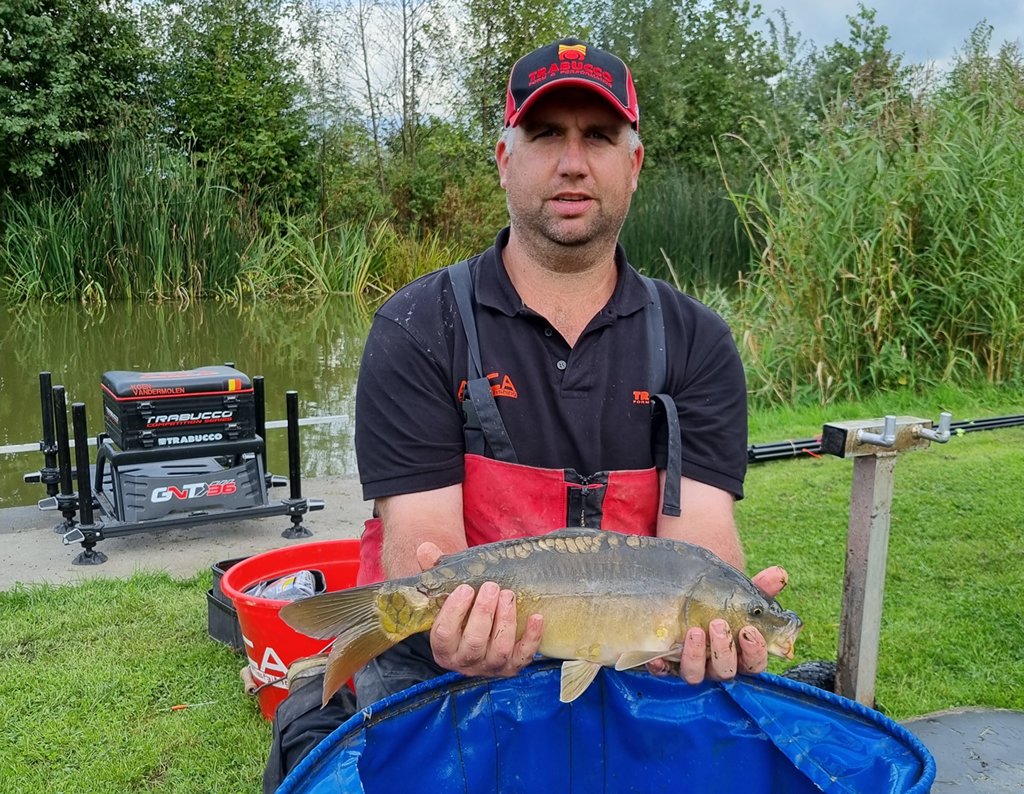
312 348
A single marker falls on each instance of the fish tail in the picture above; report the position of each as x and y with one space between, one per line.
351 652
353 617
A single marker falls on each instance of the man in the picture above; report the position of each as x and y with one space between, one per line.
545 383
563 329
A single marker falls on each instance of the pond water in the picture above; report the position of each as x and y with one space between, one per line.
311 348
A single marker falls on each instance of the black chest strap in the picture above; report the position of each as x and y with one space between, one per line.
657 351
482 426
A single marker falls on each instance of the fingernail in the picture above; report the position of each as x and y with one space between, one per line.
718 628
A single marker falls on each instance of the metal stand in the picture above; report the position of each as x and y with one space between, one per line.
874 445
49 475
90 533
66 500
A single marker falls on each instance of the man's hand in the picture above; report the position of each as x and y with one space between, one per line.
475 632
720 659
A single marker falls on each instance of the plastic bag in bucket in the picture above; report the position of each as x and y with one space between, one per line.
270 643
630 731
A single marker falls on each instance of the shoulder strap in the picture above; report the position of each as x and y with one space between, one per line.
482 424
657 352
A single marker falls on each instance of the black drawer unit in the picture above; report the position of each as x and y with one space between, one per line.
143 410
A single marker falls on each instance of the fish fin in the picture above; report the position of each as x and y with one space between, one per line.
577 675
352 616
350 653
632 659
329 614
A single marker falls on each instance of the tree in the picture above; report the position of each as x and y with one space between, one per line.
859 71
361 17
702 71
496 35
795 120
68 77
228 89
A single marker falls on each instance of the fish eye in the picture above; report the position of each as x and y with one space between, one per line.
756 611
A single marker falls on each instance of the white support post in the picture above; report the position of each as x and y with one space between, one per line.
867 549
873 444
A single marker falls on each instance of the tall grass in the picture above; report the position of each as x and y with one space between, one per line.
363 260
683 228
891 252
138 221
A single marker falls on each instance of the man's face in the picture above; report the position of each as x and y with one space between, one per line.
569 175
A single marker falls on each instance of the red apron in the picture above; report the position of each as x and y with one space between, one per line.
507 500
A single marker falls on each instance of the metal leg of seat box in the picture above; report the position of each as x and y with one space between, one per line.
297 506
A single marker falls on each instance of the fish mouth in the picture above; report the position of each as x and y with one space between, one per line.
783 648
783 645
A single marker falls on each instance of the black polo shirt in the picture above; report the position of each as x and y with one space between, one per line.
582 407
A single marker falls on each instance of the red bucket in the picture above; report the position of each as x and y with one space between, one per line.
270 643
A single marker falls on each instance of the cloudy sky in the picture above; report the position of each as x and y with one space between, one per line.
923 30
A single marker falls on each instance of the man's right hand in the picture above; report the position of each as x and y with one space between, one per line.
475 632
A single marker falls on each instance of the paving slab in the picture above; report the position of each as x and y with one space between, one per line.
34 553
976 750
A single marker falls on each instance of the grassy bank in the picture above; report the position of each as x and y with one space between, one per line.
89 673
88 676
950 622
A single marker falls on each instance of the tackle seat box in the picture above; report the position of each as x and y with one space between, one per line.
142 410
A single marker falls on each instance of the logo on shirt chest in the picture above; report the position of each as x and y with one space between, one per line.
641 398
501 386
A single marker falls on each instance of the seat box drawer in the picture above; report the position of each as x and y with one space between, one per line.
156 409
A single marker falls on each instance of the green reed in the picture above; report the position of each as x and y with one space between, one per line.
302 257
136 221
139 222
365 260
684 229
891 252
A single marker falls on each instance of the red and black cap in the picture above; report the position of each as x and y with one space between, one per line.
570 63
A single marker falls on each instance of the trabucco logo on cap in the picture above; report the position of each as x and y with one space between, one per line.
571 52
571 62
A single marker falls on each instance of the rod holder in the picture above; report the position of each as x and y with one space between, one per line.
50 474
874 445
939 435
90 532
259 398
67 499
887 438
82 462
291 399
873 436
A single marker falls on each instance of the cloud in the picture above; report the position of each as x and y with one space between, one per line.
921 32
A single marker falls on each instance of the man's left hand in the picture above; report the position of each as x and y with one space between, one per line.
721 658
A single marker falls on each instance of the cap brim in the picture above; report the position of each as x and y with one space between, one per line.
573 82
